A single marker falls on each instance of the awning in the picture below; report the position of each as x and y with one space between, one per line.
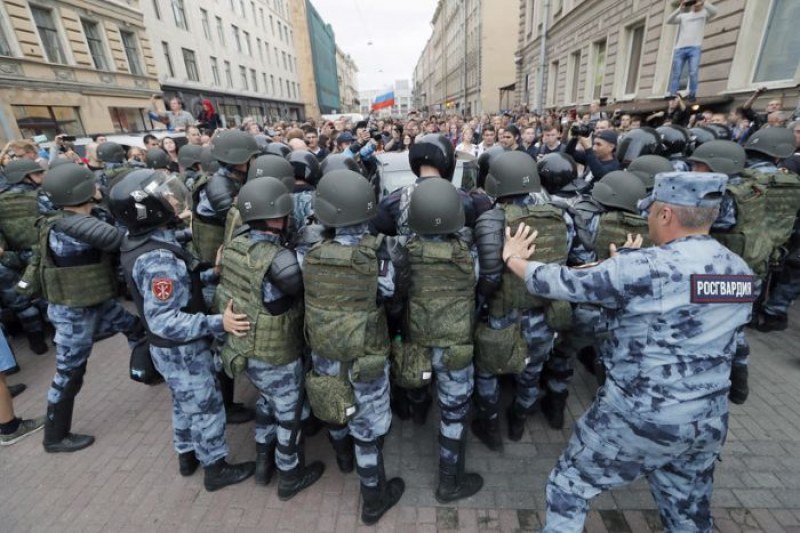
509 87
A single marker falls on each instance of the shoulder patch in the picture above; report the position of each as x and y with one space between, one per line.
722 289
162 288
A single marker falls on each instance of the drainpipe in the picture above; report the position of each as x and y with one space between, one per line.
543 54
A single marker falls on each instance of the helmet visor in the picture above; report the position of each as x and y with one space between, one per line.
171 191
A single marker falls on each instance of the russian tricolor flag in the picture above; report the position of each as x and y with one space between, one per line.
384 100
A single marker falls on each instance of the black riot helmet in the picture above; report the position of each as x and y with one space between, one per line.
344 198
69 185
620 189
264 198
274 167
339 162
110 152
233 147
675 139
435 208
700 135
262 141
190 155
147 199
485 161
19 169
639 142
157 159
647 166
207 161
511 174
775 143
306 166
433 150
721 132
279 149
556 170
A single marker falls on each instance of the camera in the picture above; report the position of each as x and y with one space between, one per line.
581 130
375 134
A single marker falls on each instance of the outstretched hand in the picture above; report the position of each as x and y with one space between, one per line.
235 323
521 244
633 241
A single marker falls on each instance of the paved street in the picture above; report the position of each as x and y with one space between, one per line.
128 481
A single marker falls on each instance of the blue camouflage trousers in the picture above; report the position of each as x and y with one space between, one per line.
372 419
454 390
279 390
23 306
560 367
785 291
610 448
198 415
76 331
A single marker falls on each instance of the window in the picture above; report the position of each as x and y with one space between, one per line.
49 35
236 38
288 89
206 25
243 76
34 120
127 119
5 43
228 75
272 82
215 71
574 74
247 44
552 83
266 51
271 24
220 31
261 16
280 85
131 52
191 65
599 72
635 40
283 54
168 57
260 51
180 14
156 9
277 58
254 79
780 48
95 43
290 63
241 7
253 9
264 79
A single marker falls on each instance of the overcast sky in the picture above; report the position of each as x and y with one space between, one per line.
396 29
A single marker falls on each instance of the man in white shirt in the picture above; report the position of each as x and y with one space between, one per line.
692 16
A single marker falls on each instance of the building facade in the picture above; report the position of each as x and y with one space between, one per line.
403 99
347 74
623 51
323 53
74 66
240 54
468 62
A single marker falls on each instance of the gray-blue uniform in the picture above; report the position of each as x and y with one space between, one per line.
180 345
662 413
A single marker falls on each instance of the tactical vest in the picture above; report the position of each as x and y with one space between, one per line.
441 303
747 238
783 202
80 281
233 221
550 248
18 213
131 250
614 227
344 320
275 339
208 233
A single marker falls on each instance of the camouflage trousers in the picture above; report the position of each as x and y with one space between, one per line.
198 415
279 389
560 366
24 307
77 328
610 448
539 340
785 291
454 390
371 422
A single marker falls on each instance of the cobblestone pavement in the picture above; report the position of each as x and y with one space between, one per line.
128 481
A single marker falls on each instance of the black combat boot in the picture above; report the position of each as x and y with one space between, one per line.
399 403
516 416
344 449
553 405
36 342
739 389
771 322
265 462
187 463
298 478
454 482
221 474
235 413
378 500
311 426
486 425
57 436
419 402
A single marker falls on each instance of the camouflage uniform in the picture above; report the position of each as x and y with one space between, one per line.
662 412
198 415
303 204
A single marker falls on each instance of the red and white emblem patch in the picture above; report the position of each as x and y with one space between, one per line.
162 289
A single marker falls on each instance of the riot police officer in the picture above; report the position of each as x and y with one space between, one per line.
675 140
190 159
348 279
165 285
557 173
647 166
157 159
307 173
78 280
115 165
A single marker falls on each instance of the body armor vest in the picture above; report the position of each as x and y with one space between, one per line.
344 320
275 339
614 227
18 213
131 251
441 303
208 233
232 223
747 237
79 281
783 202
550 248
